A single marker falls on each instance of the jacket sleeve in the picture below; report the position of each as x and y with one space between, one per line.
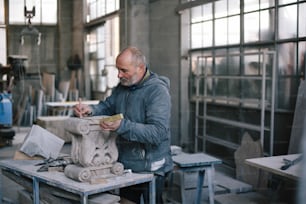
155 127
104 107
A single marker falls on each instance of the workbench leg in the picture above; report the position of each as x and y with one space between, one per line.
210 177
84 199
182 176
1 187
152 191
35 191
199 186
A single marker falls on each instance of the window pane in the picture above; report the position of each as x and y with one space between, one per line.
302 58
266 4
233 7
45 13
267 25
2 46
92 10
200 60
101 50
101 10
302 20
196 14
287 59
233 64
234 30
251 88
280 2
201 13
251 26
92 39
207 11
251 5
287 22
221 31
101 66
49 12
101 34
100 81
196 35
92 67
16 14
252 64
208 34
1 12
111 6
221 8
37 18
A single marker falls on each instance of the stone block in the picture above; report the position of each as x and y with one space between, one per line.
56 125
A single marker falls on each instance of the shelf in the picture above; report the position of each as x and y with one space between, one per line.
248 103
206 93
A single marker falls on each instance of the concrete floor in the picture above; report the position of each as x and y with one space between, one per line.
10 188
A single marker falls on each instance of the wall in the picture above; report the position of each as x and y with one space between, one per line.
153 26
165 53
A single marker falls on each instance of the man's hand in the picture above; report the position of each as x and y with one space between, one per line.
81 110
111 126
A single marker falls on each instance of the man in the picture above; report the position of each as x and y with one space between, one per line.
143 134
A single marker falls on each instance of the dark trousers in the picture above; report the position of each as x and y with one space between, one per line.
133 193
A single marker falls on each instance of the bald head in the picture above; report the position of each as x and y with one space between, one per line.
134 55
131 65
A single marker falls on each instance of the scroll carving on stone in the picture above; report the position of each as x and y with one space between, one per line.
94 152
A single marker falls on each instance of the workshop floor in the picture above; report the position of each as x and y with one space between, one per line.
10 188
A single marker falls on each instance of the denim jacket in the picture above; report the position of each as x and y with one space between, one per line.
144 134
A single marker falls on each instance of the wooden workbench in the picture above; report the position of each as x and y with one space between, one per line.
26 169
198 162
273 164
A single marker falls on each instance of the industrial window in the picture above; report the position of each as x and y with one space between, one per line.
45 11
243 26
103 44
99 8
2 34
231 43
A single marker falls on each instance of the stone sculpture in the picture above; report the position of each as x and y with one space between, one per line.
94 152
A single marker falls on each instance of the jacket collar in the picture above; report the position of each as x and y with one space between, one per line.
146 76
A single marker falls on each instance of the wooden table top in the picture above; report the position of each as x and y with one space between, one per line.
71 103
195 159
28 169
273 165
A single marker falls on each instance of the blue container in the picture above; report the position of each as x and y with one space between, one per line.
6 110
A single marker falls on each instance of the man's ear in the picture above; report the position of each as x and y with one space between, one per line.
142 66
